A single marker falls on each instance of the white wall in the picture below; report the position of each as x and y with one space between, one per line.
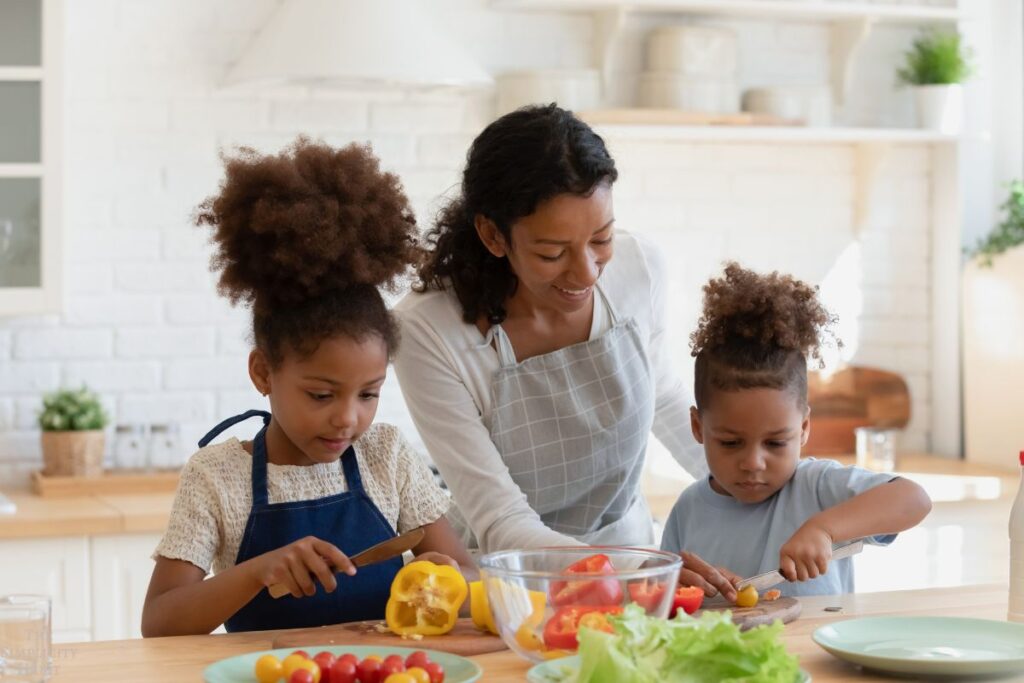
145 119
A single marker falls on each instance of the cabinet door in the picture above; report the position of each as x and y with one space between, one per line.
121 567
58 567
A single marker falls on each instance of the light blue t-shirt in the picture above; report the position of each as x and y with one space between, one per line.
746 538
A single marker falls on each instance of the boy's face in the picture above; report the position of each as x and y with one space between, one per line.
326 401
752 440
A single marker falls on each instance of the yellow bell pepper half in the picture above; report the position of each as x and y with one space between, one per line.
425 599
480 607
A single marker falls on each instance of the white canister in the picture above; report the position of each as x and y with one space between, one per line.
573 89
809 104
693 50
670 90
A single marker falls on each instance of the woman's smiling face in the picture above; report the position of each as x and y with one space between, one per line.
752 439
559 251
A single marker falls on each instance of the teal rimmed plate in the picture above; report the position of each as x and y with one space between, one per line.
240 669
932 646
563 670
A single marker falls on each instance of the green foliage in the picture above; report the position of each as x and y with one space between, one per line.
1008 233
72 410
936 58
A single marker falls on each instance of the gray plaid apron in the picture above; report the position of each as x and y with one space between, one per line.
572 427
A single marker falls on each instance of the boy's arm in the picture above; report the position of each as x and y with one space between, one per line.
885 509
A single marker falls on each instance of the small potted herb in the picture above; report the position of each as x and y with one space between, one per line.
72 421
935 66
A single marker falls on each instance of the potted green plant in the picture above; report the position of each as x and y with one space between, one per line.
936 65
72 421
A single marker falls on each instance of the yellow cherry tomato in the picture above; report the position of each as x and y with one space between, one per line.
291 664
400 678
269 669
747 597
374 657
418 675
313 668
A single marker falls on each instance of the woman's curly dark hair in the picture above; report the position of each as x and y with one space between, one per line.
306 237
757 331
519 161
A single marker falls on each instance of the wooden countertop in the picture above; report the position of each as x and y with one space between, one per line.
38 517
183 658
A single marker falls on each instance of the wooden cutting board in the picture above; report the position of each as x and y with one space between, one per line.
465 639
849 398
784 609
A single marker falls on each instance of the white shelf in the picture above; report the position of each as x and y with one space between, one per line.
21 73
796 9
772 134
21 170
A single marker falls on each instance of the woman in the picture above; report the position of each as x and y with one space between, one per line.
533 362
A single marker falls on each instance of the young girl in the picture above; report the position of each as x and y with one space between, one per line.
762 507
305 238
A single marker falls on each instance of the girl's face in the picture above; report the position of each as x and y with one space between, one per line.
324 402
752 440
558 252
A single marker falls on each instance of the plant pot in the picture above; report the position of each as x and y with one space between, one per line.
940 107
73 454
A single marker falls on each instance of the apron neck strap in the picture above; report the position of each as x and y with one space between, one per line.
350 467
259 468
232 421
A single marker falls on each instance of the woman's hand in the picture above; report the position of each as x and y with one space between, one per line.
439 558
713 580
295 565
806 554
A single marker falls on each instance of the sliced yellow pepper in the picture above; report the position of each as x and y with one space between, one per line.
425 599
480 608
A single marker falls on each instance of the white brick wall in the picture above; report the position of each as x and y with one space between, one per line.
145 119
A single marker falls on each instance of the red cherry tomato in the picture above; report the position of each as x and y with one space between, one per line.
392 664
588 591
301 653
349 657
369 671
325 660
418 658
301 676
342 671
436 672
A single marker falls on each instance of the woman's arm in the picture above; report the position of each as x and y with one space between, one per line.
460 445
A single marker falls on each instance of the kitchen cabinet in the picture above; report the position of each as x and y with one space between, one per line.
30 104
58 567
120 567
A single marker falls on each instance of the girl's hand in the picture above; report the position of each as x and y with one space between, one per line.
713 580
806 554
439 558
295 565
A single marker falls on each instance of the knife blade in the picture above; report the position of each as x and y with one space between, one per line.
763 582
384 550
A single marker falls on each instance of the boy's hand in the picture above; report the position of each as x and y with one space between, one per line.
713 580
806 554
295 565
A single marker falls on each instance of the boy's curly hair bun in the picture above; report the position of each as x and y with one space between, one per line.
757 331
306 222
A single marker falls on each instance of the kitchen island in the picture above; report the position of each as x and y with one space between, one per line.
181 659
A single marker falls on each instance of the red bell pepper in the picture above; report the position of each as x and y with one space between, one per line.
688 599
588 591
561 629
646 594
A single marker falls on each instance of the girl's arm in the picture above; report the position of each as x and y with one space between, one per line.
440 543
885 509
180 602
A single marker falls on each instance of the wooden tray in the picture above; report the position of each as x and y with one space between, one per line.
784 609
464 640
111 482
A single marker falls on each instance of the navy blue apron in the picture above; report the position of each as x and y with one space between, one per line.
349 520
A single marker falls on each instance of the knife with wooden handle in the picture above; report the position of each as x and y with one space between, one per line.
375 553
763 582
